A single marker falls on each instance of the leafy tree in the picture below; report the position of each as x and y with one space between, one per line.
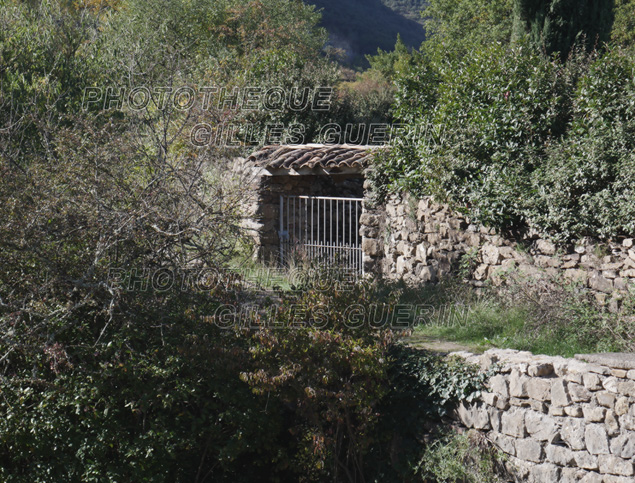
557 25
623 32
516 139
389 64
463 24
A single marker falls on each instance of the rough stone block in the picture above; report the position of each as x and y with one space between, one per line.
556 411
546 247
572 433
592 478
422 252
540 370
600 283
494 418
606 399
369 219
474 415
539 389
610 384
626 388
403 266
369 232
505 443
596 439
615 466
481 272
627 422
489 398
621 406
586 460
529 450
541 426
611 423
593 414
624 446
575 377
579 393
502 403
498 385
571 475
426 274
559 394
577 276
574 411
513 423
491 254
617 479
371 247
544 473
560 455
519 402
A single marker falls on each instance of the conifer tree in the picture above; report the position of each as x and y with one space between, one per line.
558 25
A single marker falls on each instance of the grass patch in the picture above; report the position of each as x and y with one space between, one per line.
544 317
489 324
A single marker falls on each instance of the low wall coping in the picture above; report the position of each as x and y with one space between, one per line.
616 360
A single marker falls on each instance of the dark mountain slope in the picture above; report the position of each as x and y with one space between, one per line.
361 26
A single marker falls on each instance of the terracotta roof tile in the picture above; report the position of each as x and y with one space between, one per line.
328 157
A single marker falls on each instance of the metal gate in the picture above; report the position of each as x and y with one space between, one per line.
319 229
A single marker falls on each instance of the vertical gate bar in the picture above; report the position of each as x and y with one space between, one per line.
331 231
361 253
306 224
350 229
337 223
357 236
317 241
324 250
297 216
281 230
323 241
288 250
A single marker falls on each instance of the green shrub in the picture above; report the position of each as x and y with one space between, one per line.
465 458
515 140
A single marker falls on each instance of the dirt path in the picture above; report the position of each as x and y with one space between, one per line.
419 341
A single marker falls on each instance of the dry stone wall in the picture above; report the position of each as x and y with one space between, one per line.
422 241
557 419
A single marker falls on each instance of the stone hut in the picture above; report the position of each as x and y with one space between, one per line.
305 200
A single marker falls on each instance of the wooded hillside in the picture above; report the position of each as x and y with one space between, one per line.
360 27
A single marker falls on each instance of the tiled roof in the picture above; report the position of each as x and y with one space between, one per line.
331 158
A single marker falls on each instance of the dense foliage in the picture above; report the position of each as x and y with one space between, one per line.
623 32
557 25
518 139
461 25
115 362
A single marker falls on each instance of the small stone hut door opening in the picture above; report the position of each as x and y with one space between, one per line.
306 204
320 231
